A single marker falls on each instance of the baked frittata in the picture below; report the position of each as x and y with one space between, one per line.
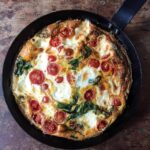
72 79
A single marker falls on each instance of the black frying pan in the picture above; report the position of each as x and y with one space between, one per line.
116 25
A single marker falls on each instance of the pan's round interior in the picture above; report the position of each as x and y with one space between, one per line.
27 33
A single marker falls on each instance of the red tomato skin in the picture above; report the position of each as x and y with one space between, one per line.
37 118
59 79
34 105
68 52
36 77
116 102
45 99
53 69
52 58
66 32
59 117
55 42
94 63
44 86
50 127
93 43
70 78
60 48
105 66
102 124
89 95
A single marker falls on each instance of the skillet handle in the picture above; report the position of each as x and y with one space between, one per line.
127 11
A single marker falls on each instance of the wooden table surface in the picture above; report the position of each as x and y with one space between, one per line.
16 14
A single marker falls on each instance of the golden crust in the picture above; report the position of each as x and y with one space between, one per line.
115 82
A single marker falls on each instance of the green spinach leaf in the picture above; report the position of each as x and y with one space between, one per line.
86 51
21 66
95 81
82 109
69 107
74 63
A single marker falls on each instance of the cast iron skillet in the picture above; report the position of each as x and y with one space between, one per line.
118 22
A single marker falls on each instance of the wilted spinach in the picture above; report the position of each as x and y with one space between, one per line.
83 108
21 66
95 81
74 63
68 107
86 51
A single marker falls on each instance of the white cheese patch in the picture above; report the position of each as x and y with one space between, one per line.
104 99
42 61
80 34
44 43
104 47
48 110
61 91
114 86
89 119
91 74
71 43
26 88
41 42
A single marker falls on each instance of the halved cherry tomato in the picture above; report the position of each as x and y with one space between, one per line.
44 86
45 99
89 94
55 41
37 118
59 79
66 32
50 127
36 77
52 58
116 102
94 63
60 48
102 124
53 69
70 78
93 43
68 52
34 105
60 117
105 66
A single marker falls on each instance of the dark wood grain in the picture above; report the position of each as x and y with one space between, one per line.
16 14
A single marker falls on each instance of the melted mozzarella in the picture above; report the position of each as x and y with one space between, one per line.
85 75
104 99
104 47
48 110
80 34
45 43
71 43
115 87
41 42
26 88
42 61
61 91
89 118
